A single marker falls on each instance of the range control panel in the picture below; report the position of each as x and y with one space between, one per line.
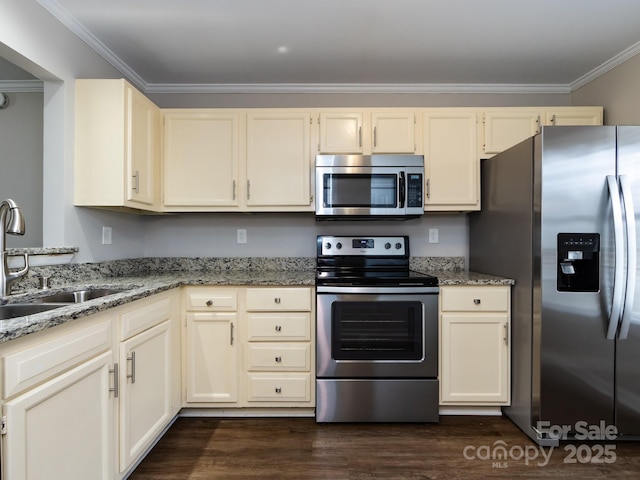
367 246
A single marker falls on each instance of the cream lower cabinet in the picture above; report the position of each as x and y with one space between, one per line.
211 348
452 169
278 353
59 410
87 398
475 345
249 347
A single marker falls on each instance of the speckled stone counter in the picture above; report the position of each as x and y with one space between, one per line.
141 278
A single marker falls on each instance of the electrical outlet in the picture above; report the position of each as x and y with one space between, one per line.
433 235
241 235
106 235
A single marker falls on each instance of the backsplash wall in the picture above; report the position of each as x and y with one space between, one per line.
289 235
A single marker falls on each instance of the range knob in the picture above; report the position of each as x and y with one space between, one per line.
387 245
338 245
398 246
327 246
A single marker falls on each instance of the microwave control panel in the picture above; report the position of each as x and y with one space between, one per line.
414 190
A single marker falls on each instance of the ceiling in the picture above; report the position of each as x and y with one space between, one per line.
357 45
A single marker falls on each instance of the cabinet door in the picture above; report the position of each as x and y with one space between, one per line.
393 132
506 128
212 358
278 159
145 390
474 358
201 159
142 147
340 132
574 116
63 428
452 168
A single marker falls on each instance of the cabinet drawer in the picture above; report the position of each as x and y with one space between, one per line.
280 299
41 362
286 387
474 299
278 326
211 300
144 317
275 356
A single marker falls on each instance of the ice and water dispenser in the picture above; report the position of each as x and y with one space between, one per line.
578 262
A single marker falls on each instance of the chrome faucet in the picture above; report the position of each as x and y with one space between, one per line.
13 224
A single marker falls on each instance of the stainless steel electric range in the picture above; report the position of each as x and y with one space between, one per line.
376 332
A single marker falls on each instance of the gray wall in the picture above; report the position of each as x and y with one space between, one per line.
617 92
21 162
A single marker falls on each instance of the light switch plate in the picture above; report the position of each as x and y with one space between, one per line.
106 235
242 235
433 235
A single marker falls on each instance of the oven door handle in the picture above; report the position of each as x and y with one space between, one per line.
399 290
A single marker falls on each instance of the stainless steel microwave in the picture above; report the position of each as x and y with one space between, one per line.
369 186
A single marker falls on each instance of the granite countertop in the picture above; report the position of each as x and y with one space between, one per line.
155 280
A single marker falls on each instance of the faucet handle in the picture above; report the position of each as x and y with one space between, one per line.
45 282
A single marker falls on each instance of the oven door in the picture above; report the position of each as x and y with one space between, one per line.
377 332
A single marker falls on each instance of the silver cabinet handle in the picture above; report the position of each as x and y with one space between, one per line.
278 328
136 181
132 359
360 136
116 375
234 190
248 189
375 136
506 334
231 333
428 188
477 301
278 389
278 359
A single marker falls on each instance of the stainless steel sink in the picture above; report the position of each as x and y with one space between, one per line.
22 309
76 296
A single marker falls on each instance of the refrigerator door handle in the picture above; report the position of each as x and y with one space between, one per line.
630 217
618 229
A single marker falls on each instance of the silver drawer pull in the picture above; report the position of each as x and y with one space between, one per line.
132 359
476 301
209 303
116 374
278 359
278 328
278 390
277 300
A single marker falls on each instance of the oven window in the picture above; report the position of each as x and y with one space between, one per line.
360 190
377 330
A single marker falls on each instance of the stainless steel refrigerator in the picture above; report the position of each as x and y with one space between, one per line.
560 216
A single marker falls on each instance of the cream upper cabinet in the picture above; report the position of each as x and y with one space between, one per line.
278 168
201 162
452 169
117 146
504 128
475 345
367 131
574 116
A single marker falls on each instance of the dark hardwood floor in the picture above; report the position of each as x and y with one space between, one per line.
298 448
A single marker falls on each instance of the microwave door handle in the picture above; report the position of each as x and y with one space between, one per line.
401 190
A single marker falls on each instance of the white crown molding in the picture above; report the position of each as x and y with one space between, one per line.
86 36
22 86
310 88
610 64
